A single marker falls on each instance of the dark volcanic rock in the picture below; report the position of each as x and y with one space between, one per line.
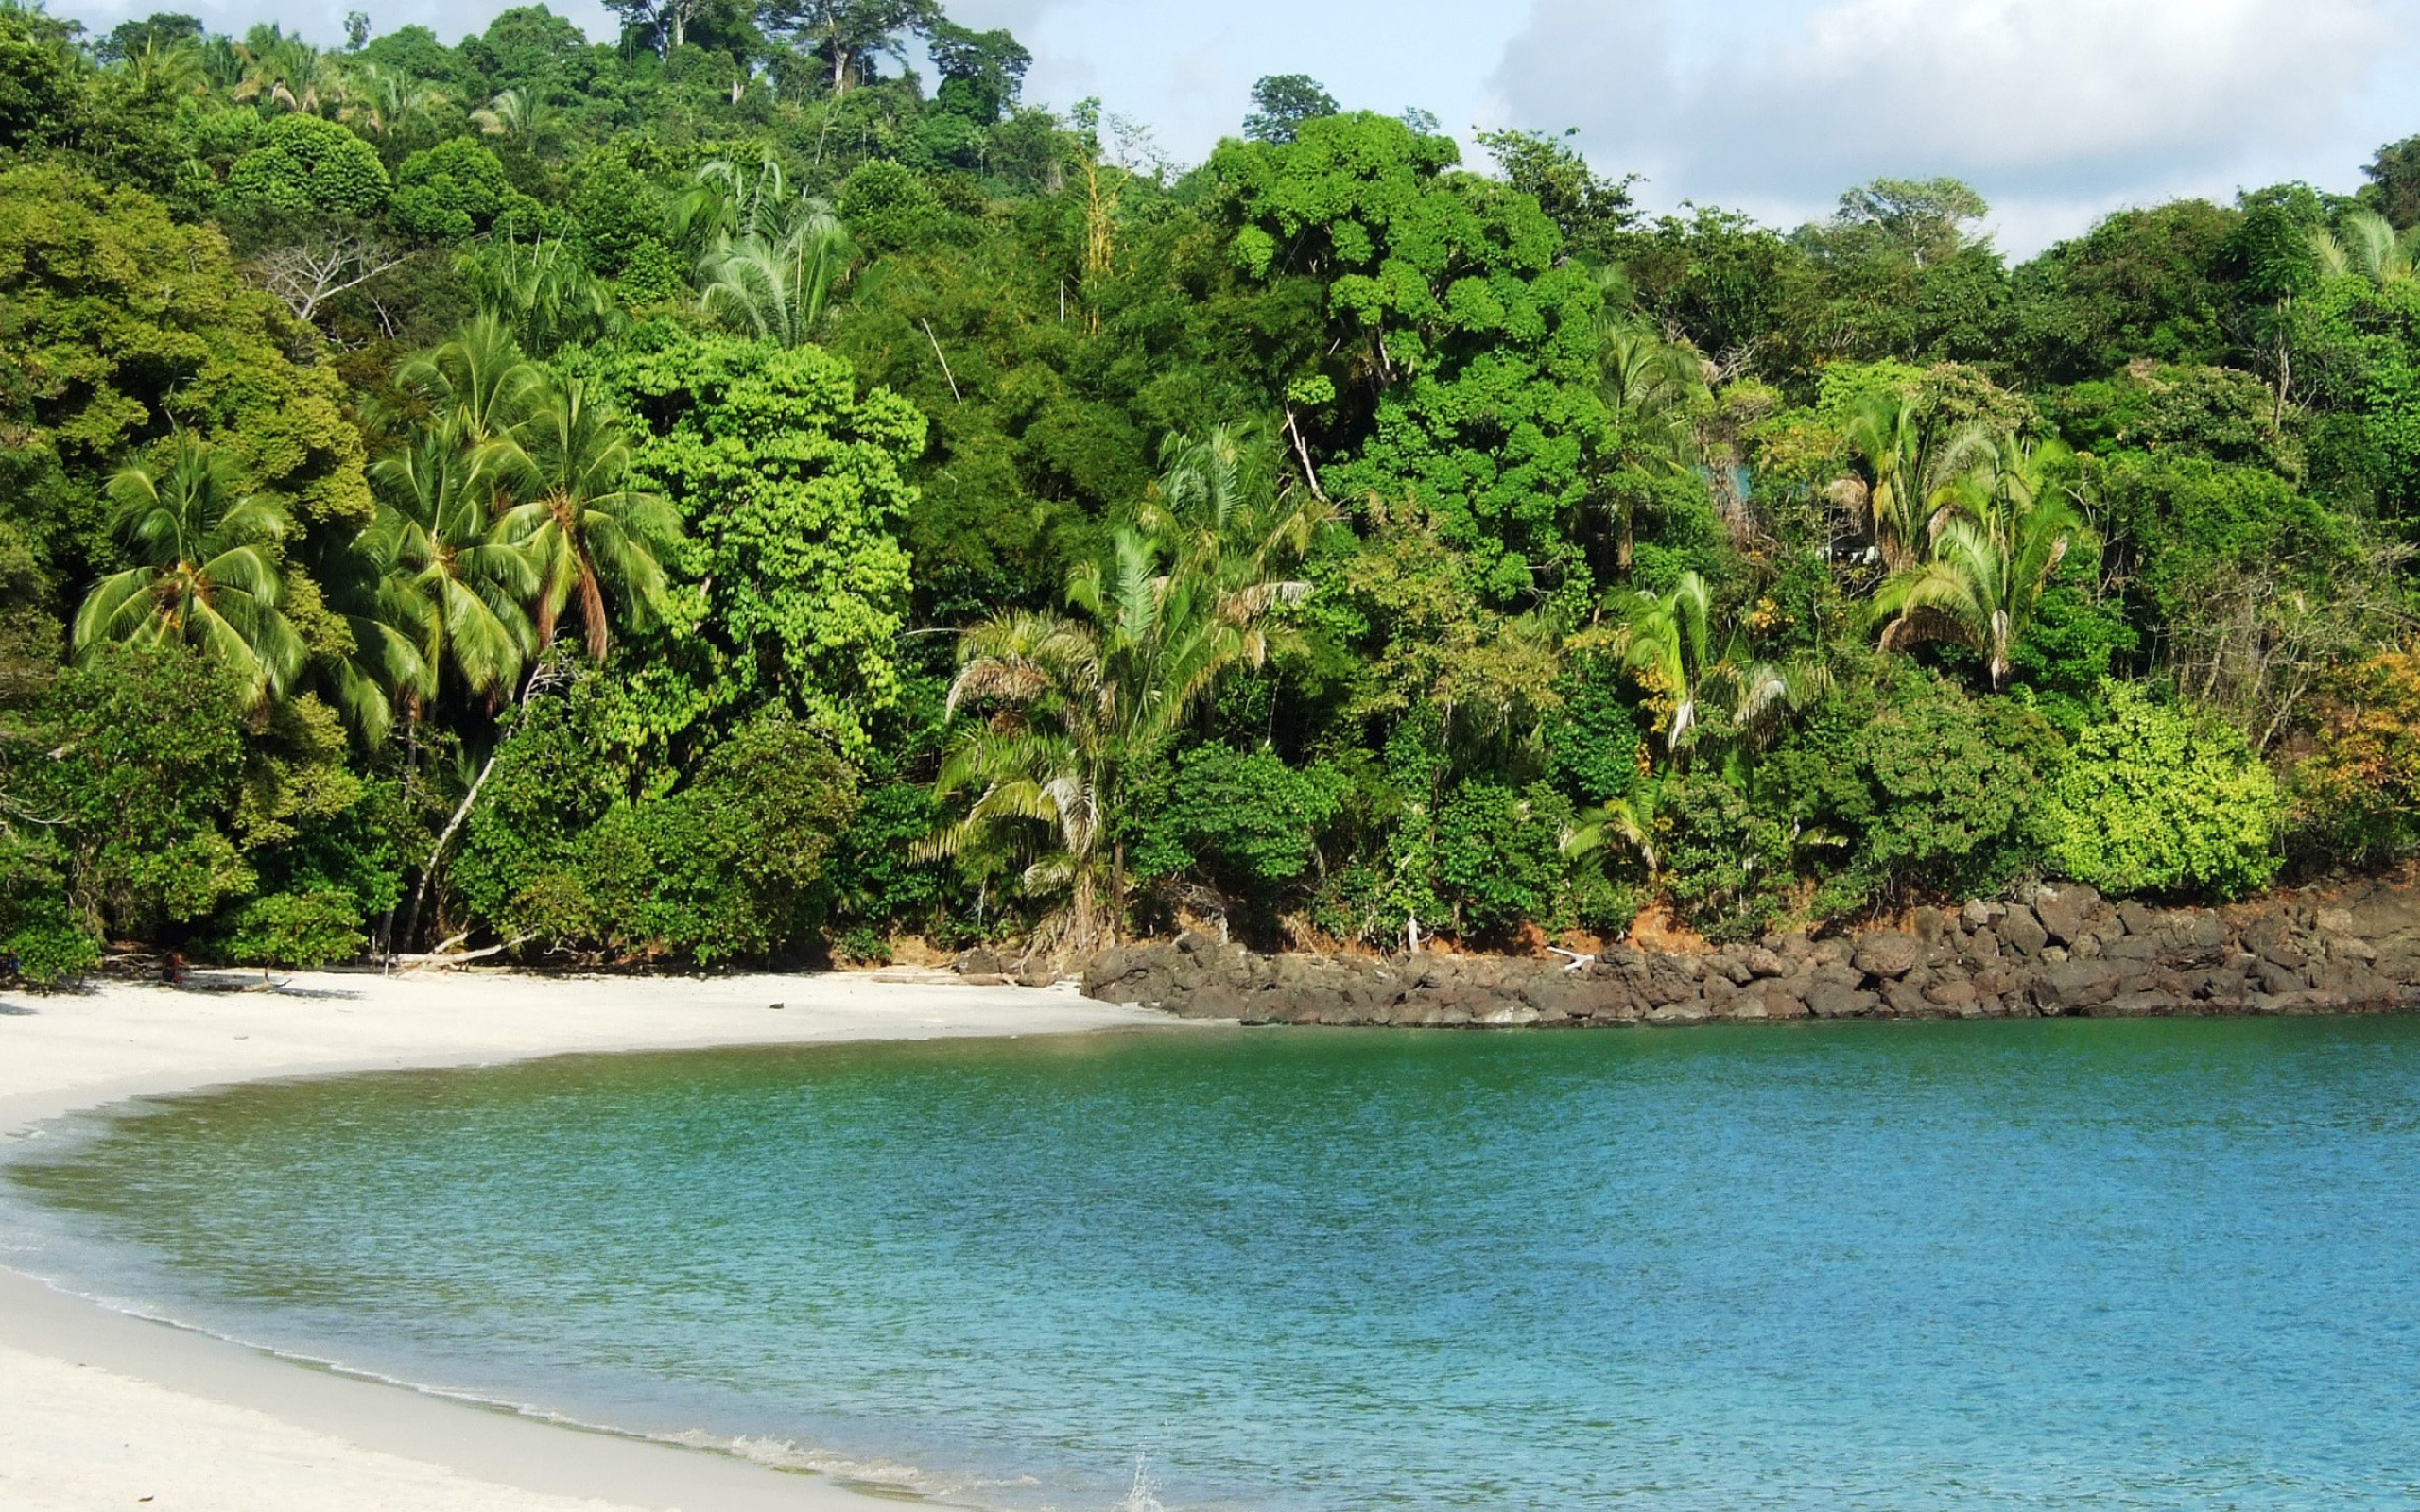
1888 953
2358 950
2062 911
2072 986
1831 1000
2021 930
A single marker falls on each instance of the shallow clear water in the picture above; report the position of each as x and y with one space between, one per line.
2040 1265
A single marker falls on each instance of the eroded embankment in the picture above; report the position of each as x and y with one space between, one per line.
2068 952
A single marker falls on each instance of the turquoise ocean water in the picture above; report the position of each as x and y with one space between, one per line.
2001 1265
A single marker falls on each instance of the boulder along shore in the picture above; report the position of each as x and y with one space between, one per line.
2065 951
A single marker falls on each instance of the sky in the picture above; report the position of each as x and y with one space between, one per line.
2060 111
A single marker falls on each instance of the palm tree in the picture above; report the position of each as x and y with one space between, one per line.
1652 389
1665 647
1628 820
1218 504
1990 561
2366 244
172 68
540 292
580 532
587 531
288 71
452 584
206 573
776 278
379 666
1079 702
1668 644
381 101
725 202
1909 476
515 112
480 378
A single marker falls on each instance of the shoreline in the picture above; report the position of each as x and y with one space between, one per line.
2063 951
103 1406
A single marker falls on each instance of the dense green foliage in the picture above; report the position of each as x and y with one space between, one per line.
757 485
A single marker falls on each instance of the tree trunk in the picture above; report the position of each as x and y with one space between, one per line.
1117 893
419 891
1084 907
461 811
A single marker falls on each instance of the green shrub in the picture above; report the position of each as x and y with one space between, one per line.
2158 801
151 761
43 944
1499 862
1604 907
1912 784
1593 741
1726 866
728 865
299 930
734 864
1245 820
455 190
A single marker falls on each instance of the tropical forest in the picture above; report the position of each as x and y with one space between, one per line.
758 490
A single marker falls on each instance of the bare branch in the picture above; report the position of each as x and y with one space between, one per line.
308 274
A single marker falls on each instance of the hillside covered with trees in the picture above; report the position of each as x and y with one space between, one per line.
757 487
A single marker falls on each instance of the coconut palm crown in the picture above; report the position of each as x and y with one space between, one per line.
206 571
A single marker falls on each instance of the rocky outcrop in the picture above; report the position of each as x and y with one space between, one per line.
2063 951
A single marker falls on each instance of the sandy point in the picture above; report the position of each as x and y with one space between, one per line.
101 1410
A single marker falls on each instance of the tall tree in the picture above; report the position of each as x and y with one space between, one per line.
1282 102
1593 210
665 23
455 586
597 539
2394 188
1456 365
1926 221
983 72
846 33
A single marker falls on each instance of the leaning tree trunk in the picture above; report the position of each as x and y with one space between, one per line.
463 810
444 838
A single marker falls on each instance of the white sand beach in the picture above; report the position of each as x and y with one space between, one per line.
101 1410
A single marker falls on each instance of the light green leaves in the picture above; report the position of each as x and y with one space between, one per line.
2156 800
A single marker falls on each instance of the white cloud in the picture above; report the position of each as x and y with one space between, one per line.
2043 103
